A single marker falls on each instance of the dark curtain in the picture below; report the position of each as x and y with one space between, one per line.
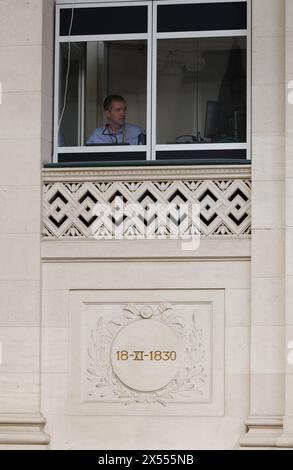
231 109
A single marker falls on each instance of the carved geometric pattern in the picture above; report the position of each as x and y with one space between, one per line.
224 205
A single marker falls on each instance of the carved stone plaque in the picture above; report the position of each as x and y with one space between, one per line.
146 355
161 356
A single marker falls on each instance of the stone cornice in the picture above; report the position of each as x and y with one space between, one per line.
186 172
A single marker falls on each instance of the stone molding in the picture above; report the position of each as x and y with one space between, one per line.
186 172
262 432
22 429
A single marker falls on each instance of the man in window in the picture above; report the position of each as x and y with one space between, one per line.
117 130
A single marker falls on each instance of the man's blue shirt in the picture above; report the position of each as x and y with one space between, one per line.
103 135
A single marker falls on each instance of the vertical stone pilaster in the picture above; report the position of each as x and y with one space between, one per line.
21 72
286 440
264 424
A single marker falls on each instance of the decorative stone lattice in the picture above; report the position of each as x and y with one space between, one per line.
224 203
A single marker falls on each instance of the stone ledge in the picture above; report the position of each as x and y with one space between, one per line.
186 172
262 432
23 430
145 250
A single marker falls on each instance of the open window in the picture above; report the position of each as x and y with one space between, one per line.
181 67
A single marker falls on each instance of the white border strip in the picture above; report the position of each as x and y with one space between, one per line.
154 83
203 34
103 37
249 81
97 4
216 146
103 149
149 84
176 2
88 3
56 87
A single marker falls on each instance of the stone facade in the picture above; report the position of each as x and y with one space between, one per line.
64 295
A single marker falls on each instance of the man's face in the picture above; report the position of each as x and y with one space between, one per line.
117 114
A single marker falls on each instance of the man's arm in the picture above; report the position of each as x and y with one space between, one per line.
96 137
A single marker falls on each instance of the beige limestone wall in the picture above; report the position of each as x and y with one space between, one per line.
67 282
268 223
65 274
21 51
260 322
286 440
26 71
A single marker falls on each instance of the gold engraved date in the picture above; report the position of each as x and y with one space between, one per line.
157 355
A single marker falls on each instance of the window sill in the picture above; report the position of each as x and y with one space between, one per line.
148 163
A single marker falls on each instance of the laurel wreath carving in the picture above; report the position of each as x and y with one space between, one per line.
105 385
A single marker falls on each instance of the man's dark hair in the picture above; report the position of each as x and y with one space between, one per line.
109 100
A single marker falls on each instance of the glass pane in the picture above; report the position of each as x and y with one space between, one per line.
70 84
99 69
202 16
201 90
102 157
104 20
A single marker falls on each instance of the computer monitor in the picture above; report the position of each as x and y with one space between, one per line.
211 120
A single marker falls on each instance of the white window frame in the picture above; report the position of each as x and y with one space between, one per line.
94 38
152 36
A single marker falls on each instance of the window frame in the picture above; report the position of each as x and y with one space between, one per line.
152 36
94 38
